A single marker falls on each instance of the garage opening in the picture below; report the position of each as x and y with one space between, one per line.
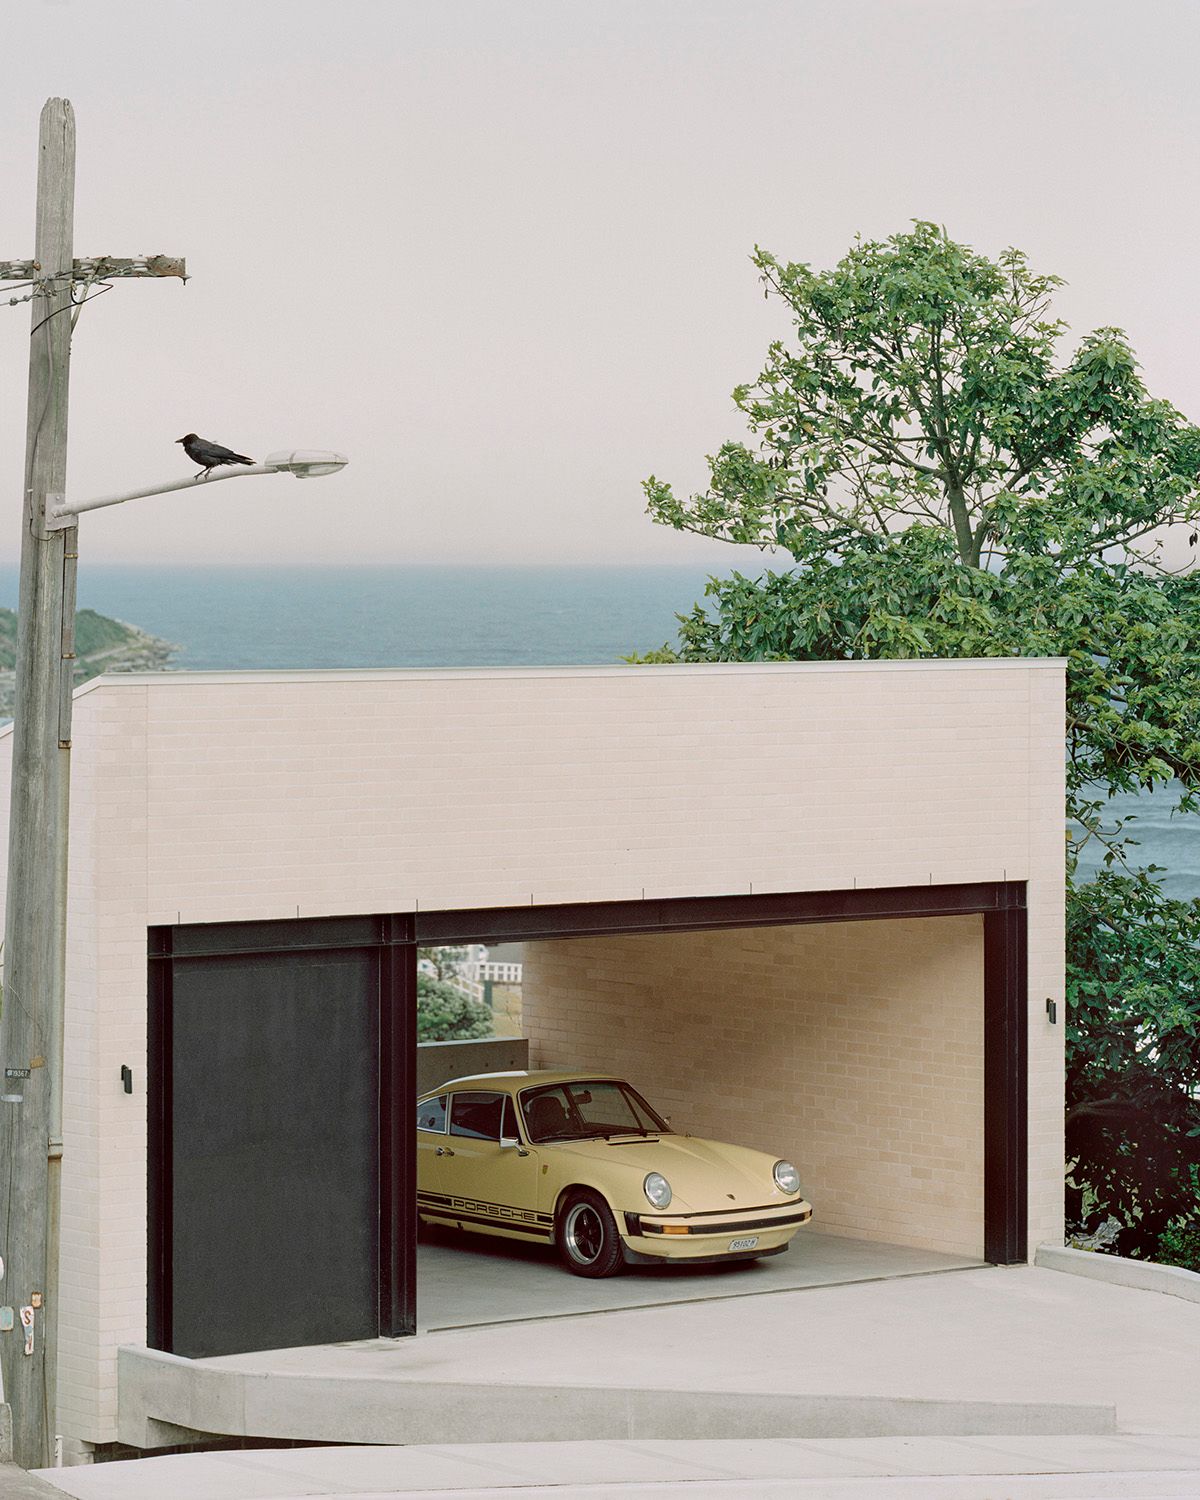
877 1038
853 1049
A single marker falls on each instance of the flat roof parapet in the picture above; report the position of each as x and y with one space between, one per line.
616 669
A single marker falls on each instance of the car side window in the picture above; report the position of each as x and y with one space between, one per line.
431 1114
509 1129
476 1114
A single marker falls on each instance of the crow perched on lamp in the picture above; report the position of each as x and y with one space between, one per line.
210 455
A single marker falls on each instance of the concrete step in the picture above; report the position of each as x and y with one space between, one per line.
167 1401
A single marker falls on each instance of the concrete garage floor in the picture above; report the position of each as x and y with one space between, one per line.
472 1280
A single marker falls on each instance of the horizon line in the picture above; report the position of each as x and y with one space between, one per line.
14 563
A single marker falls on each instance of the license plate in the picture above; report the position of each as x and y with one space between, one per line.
744 1244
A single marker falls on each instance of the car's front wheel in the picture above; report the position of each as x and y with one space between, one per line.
586 1235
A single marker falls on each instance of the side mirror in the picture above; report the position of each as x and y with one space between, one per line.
510 1142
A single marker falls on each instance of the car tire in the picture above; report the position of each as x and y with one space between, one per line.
585 1234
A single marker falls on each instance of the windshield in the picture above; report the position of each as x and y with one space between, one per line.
597 1107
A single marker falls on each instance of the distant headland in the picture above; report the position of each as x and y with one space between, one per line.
101 645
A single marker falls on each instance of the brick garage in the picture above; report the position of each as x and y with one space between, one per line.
257 814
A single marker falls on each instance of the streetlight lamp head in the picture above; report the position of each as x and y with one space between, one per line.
306 463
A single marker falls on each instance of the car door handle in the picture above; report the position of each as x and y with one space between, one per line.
444 1151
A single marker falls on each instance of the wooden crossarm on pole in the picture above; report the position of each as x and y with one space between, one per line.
101 267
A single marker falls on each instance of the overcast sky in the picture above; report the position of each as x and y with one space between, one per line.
497 250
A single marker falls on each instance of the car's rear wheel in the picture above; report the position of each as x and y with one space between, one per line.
586 1235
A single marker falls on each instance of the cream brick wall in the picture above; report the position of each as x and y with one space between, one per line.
209 797
855 1049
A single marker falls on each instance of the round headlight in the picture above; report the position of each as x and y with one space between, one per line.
787 1179
657 1189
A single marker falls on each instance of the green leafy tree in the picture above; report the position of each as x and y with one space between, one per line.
445 961
1133 1064
447 1014
947 484
1179 1245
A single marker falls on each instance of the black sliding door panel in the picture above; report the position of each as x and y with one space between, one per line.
274 1154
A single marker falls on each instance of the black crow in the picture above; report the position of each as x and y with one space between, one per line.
210 455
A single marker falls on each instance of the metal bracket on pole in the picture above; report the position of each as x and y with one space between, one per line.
55 519
66 666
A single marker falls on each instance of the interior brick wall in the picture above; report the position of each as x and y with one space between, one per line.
855 1049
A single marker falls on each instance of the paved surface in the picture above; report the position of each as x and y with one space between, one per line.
472 1279
1002 1334
917 1469
15 1484
1020 1334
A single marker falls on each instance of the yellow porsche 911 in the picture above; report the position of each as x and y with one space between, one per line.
582 1160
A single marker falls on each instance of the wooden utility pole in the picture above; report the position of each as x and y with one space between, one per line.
34 928
35 919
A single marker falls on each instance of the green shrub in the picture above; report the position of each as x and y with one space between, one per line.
1179 1244
445 1014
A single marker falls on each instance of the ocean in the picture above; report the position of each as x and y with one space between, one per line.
283 618
1162 837
229 618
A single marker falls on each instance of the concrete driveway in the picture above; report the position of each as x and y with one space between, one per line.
1001 1334
1017 1350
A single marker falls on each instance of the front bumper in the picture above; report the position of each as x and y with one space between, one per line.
715 1236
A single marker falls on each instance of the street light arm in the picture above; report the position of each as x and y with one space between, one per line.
64 515
300 463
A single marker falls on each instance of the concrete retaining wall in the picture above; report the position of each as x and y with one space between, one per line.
439 1062
1143 1275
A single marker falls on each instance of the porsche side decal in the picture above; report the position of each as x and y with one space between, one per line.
488 1213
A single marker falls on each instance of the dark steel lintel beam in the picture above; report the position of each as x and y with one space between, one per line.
589 919
682 914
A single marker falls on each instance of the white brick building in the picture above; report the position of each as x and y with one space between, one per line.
823 899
